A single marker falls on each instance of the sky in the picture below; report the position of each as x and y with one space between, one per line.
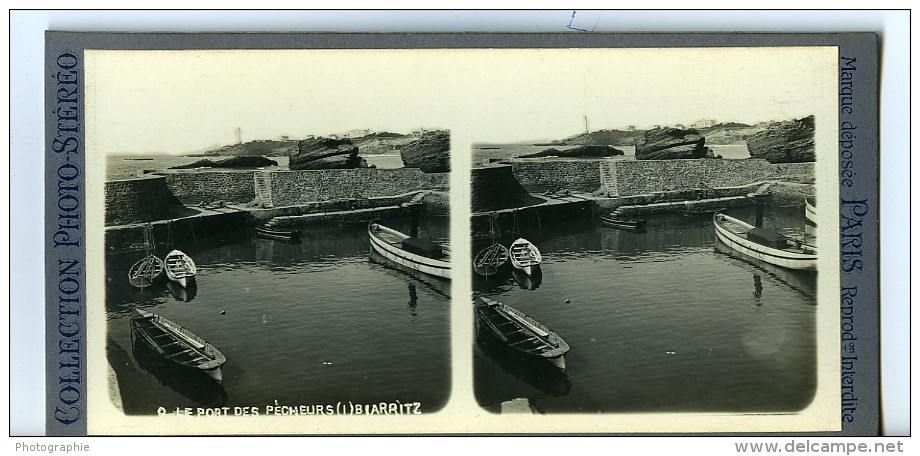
187 101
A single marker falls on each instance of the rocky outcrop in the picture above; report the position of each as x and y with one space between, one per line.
245 161
671 143
326 153
578 152
791 141
430 153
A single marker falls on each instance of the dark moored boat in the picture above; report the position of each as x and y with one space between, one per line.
764 244
490 260
520 332
177 344
277 235
413 252
145 272
623 224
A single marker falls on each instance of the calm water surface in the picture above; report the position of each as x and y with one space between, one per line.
310 323
660 321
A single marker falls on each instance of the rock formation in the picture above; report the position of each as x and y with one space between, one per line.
244 161
325 153
578 152
792 141
671 143
430 153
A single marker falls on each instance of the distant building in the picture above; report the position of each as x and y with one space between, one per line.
657 126
679 127
358 133
285 137
630 128
704 123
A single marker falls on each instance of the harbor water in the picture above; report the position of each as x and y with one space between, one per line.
661 321
308 324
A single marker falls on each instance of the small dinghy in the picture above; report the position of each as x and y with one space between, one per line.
177 344
520 331
490 260
180 268
811 213
525 256
278 235
623 224
145 272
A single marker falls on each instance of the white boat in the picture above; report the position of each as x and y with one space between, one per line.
811 214
415 253
764 244
145 272
525 256
180 268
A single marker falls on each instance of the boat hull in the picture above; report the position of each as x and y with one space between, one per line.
811 214
525 256
778 257
623 224
145 272
520 332
177 345
490 260
431 266
180 268
285 236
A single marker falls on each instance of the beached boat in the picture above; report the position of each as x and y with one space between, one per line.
764 244
811 213
520 331
490 260
623 224
415 253
180 268
145 272
177 344
278 235
525 256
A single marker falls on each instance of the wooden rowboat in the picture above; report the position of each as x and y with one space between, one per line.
177 344
278 235
180 268
764 244
490 260
145 272
520 331
811 213
525 256
623 224
415 253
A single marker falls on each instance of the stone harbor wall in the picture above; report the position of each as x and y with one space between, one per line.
137 200
538 176
291 188
193 188
636 177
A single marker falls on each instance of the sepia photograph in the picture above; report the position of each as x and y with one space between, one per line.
339 241
269 248
654 248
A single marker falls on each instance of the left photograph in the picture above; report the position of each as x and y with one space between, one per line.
276 236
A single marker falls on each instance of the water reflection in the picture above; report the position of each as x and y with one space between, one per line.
183 294
537 373
528 281
803 282
438 285
413 301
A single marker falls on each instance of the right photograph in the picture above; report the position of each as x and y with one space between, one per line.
633 266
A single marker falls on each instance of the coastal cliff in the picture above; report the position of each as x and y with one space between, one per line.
791 141
430 153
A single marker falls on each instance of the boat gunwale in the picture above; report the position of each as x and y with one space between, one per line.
215 358
388 250
549 350
794 259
